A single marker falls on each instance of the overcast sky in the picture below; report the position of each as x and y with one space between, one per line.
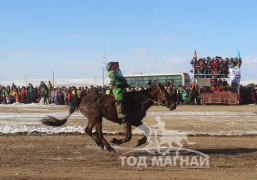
71 37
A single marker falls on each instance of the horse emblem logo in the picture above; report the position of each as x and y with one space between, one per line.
163 141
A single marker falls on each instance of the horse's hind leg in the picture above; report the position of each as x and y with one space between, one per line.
128 135
101 137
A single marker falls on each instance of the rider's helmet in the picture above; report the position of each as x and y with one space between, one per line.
112 65
109 66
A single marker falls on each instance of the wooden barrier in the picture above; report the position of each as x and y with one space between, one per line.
219 98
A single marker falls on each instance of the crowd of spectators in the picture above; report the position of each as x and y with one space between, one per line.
217 85
190 95
47 94
214 67
248 94
184 95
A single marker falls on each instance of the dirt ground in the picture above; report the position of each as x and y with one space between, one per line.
75 156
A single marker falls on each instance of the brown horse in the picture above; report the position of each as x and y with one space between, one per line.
95 106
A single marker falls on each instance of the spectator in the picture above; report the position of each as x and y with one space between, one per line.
79 92
4 95
56 98
184 96
45 95
23 94
30 93
8 99
50 89
179 94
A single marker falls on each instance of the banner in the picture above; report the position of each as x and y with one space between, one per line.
235 76
219 98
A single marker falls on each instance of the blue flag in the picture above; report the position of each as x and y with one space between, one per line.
238 55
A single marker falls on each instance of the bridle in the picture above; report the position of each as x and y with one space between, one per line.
162 94
162 97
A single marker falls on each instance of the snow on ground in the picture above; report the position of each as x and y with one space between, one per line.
25 118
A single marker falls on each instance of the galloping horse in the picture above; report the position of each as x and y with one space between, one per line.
96 106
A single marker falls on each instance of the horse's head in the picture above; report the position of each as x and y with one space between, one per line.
163 97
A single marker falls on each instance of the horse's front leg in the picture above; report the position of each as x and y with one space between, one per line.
103 142
98 137
128 134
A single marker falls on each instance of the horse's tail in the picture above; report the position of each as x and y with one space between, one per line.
52 121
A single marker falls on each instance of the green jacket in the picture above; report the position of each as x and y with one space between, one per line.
117 80
179 90
4 93
118 83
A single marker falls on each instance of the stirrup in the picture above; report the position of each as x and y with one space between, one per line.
122 120
121 116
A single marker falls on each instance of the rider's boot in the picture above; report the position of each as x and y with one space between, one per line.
120 111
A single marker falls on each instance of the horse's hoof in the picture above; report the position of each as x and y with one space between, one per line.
115 141
138 144
111 150
100 144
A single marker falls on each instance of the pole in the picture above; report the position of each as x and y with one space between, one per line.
103 76
104 65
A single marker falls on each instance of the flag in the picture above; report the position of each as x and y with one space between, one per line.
195 56
238 55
